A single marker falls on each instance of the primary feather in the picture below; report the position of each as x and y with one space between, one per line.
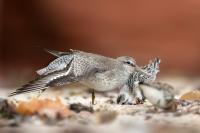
43 82
58 53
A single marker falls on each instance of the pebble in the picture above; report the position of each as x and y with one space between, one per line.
78 107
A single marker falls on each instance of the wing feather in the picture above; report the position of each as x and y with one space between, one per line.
56 65
57 53
41 84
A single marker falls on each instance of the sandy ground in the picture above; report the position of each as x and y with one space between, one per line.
107 116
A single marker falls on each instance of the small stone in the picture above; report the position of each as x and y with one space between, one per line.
78 107
192 95
183 102
6 110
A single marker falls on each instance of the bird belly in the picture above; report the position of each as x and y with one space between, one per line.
104 83
100 85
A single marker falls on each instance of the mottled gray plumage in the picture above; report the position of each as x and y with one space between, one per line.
94 71
131 93
145 74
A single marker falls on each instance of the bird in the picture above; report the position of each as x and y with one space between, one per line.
159 94
94 71
146 74
131 93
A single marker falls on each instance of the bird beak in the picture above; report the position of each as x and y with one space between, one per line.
138 68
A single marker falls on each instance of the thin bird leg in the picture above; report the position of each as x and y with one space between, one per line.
93 96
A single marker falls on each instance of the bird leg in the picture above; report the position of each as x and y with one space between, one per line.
93 97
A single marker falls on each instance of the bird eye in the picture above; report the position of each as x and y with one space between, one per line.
130 63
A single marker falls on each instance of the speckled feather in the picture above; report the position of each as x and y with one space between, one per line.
145 74
92 70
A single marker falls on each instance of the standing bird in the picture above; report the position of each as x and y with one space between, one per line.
91 70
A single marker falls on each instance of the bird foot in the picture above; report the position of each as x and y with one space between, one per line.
124 99
138 100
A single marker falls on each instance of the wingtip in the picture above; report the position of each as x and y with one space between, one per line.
25 91
16 92
12 94
59 53
53 52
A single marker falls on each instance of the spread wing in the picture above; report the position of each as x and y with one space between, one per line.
43 82
58 64
66 69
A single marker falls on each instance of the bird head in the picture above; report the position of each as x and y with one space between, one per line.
128 62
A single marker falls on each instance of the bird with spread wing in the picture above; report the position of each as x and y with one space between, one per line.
91 70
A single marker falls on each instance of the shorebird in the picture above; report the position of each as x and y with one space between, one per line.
91 70
130 93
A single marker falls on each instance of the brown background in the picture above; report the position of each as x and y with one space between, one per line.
142 29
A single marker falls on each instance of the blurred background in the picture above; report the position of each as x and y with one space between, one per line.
141 29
